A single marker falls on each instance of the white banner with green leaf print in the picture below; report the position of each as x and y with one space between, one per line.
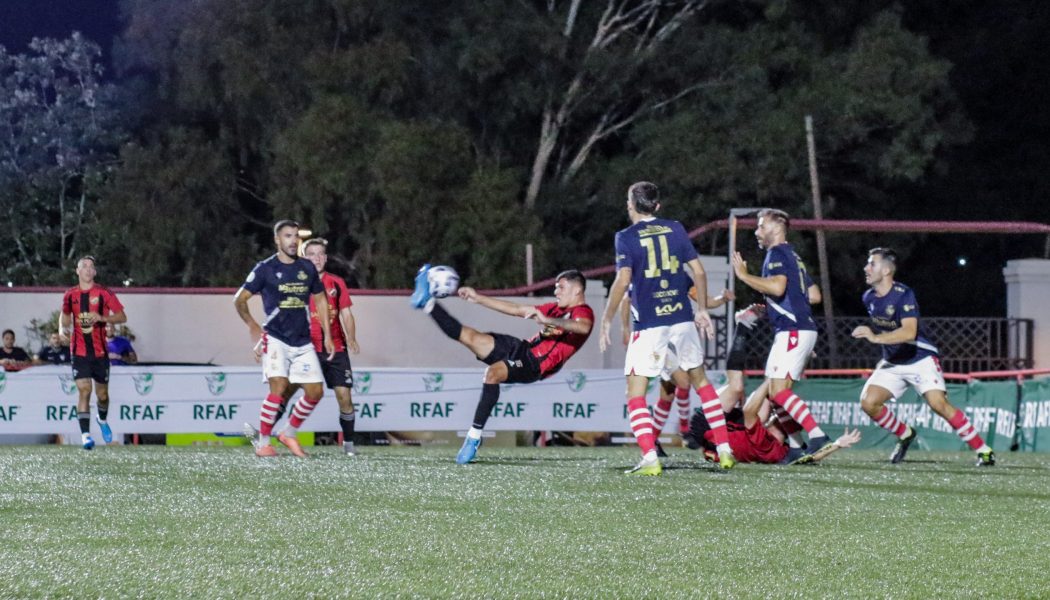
144 399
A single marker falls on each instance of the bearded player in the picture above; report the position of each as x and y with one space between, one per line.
288 283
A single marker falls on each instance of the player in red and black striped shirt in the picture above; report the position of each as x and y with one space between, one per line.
566 326
86 309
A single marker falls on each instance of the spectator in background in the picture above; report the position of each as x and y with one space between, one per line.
119 347
12 358
54 353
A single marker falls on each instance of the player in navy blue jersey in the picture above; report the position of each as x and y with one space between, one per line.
287 283
656 258
909 358
789 292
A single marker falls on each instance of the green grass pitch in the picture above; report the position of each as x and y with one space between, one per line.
522 522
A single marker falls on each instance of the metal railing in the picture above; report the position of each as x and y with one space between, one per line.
966 344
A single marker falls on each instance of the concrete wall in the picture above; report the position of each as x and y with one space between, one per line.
204 328
1028 297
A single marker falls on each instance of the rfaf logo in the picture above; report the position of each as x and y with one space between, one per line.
216 383
143 383
69 385
434 382
362 383
576 381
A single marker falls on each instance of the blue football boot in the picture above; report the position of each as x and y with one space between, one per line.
422 294
468 451
107 433
87 441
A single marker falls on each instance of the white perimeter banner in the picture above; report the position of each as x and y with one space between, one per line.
41 400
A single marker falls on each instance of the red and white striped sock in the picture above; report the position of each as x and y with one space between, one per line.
300 412
711 406
799 411
790 427
268 414
889 421
965 430
641 424
660 414
682 400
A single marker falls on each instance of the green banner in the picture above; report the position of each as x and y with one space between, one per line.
992 407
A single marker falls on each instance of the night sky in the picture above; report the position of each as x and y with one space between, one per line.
1001 76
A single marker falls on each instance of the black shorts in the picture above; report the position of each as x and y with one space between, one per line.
737 359
522 366
337 372
91 367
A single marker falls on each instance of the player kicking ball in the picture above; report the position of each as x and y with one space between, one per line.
566 326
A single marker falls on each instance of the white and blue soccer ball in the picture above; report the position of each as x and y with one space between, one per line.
444 281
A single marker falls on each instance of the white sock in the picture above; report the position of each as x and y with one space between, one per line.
474 433
650 456
429 306
984 448
795 440
84 436
289 430
817 432
724 448
264 440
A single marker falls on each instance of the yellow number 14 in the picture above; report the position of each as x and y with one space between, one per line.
667 262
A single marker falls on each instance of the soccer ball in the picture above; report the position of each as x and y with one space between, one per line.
444 281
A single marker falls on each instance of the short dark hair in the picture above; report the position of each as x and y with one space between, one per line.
776 215
279 225
313 242
574 276
7 331
646 197
886 253
87 257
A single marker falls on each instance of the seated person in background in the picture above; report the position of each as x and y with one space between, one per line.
54 353
12 358
119 348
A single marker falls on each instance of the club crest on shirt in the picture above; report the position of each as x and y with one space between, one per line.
908 307
94 300
332 292
302 276
890 310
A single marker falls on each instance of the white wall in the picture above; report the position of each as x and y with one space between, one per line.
1027 295
203 328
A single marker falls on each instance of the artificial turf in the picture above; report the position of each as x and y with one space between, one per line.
522 522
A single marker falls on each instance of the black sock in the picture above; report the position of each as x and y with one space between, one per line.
103 412
446 322
346 421
489 397
85 421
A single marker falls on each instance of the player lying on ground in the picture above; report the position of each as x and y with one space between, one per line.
754 442
566 326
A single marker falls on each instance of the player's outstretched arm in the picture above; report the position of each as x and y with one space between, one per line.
504 306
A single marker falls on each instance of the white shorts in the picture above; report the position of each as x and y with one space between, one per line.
924 375
789 354
650 349
298 364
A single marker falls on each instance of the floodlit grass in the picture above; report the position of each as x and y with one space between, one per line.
557 522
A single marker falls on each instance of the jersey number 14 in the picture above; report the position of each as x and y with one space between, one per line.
667 261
